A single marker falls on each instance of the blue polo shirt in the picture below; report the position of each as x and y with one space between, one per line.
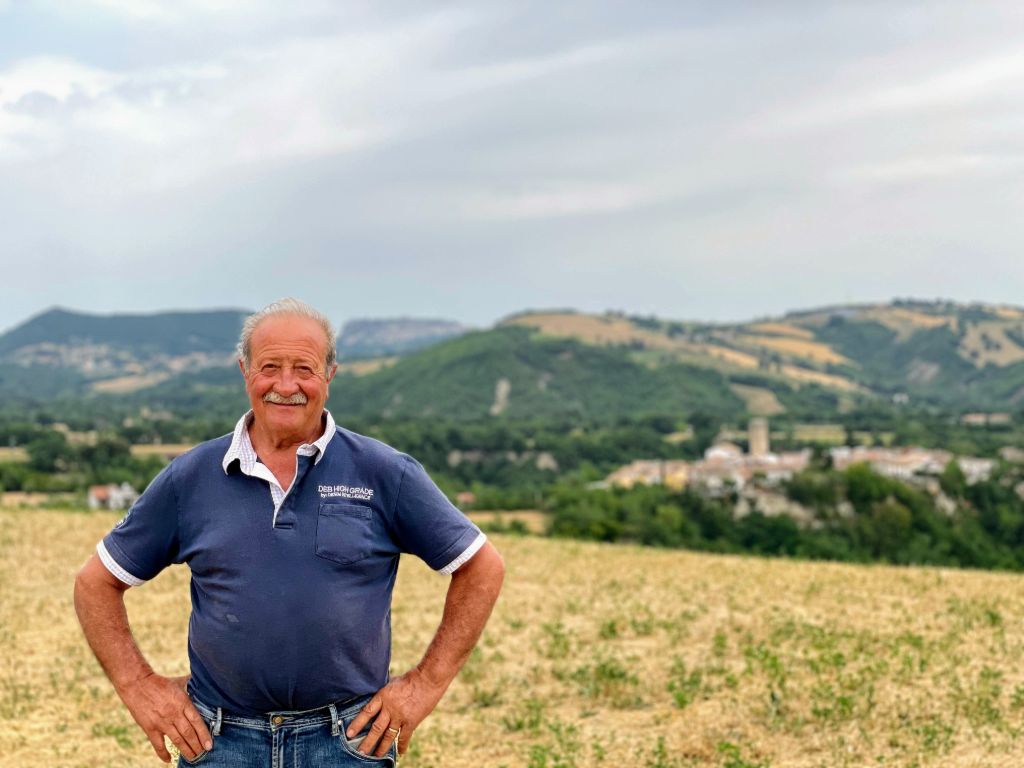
291 596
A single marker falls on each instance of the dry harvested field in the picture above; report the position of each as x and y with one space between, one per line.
987 342
783 329
125 384
366 367
759 400
13 454
817 377
596 656
820 433
167 450
593 329
815 351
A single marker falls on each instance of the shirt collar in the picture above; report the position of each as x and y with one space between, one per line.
241 449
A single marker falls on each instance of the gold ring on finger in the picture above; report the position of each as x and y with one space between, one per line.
395 731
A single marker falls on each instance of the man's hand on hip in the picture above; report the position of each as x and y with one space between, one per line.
396 710
161 707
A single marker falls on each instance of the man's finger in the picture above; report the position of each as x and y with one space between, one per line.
178 740
403 740
199 726
190 744
157 740
359 722
391 734
374 735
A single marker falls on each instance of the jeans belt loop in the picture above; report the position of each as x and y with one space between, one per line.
217 723
335 730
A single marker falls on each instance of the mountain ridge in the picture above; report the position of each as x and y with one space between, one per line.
563 362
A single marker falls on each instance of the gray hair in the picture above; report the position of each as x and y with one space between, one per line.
288 306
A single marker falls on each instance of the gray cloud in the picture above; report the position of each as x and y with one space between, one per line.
472 160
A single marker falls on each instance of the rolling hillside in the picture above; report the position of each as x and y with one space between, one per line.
507 372
808 364
957 356
65 353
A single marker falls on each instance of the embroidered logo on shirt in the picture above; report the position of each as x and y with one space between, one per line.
345 492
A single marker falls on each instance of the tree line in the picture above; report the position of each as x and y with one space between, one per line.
858 516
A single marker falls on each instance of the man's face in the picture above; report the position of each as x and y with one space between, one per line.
286 381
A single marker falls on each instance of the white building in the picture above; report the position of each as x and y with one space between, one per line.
112 496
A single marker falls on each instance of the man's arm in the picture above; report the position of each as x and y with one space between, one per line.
407 700
159 704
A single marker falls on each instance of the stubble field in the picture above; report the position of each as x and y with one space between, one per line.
596 656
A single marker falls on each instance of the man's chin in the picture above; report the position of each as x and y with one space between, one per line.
285 415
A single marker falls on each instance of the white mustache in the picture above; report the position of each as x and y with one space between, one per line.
297 399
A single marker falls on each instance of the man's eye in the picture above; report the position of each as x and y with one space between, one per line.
269 368
304 370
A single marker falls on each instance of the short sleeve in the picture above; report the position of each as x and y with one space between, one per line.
145 541
429 526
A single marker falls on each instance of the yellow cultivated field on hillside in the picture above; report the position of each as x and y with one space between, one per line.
593 329
741 359
987 342
13 454
815 351
597 655
366 367
759 401
783 329
125 384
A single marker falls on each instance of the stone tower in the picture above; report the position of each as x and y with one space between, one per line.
758 436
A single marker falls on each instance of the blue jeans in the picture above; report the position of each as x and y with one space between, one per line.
309 739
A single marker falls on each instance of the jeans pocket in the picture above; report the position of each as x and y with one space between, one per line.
208 720
351 746
182 760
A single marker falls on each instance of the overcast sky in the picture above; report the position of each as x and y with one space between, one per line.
693 160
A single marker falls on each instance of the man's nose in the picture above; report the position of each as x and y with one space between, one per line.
287 382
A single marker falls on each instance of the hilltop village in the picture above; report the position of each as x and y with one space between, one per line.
755 477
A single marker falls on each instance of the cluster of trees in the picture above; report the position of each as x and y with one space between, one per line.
860 516
55 465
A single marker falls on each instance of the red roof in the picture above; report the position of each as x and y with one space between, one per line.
99 492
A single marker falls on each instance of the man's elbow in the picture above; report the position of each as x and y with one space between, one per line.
94 578
484 571
491 567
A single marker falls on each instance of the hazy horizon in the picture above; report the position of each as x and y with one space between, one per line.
339 323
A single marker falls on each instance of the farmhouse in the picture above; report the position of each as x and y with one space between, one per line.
112 496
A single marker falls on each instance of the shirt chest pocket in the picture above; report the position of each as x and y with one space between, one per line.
344 533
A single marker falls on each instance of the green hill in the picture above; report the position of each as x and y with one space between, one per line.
510 373
809 365
163 333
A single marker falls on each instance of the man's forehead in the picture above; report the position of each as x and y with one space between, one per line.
288 332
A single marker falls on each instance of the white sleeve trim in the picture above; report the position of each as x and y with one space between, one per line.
115 568
467 553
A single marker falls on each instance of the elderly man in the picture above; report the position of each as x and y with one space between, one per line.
292 529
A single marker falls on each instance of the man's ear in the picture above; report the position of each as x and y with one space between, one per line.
330 373
241 366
